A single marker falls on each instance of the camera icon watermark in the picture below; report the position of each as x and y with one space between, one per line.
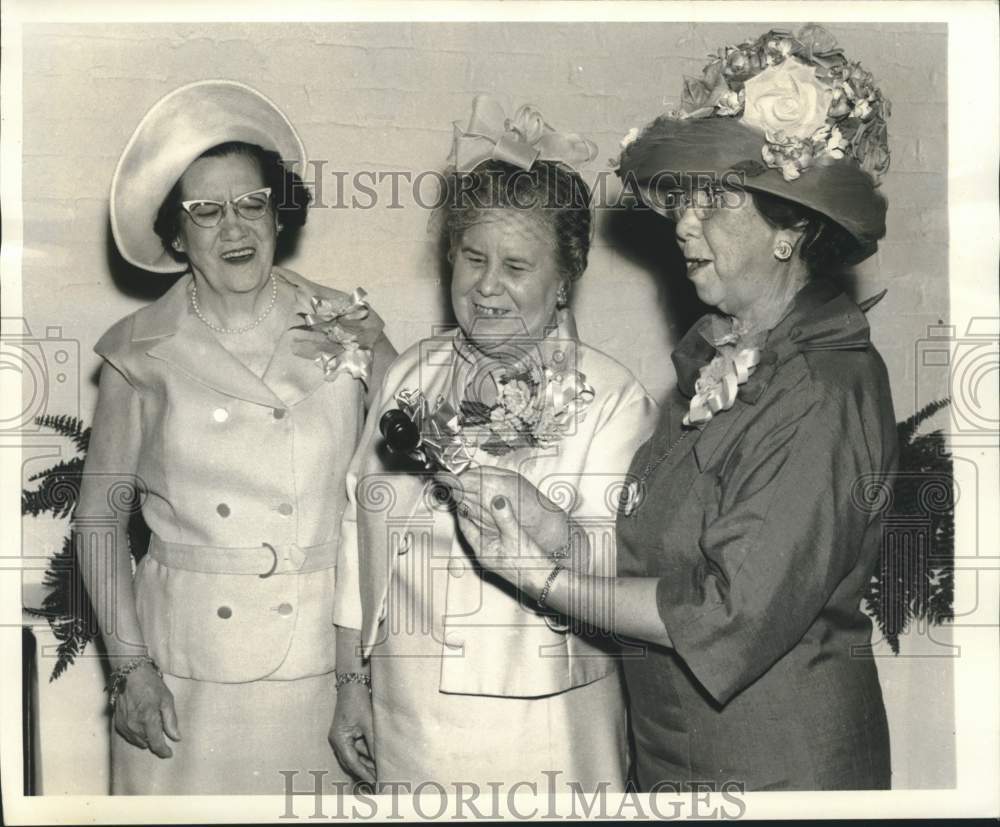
965 368
48 369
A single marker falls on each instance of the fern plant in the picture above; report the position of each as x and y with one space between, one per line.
915 576
67 606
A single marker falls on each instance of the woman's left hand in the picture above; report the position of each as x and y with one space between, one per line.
483 493
352 733
478 486
501 545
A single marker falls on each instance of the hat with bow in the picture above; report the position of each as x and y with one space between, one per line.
520 140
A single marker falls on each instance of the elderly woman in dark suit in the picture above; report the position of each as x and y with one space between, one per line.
744 545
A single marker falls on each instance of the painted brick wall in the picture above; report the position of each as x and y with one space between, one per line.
382 97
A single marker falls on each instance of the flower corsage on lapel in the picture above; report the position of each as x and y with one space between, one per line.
340 335
718 382
506 409
529 406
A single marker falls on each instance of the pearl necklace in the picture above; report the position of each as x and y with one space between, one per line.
251 326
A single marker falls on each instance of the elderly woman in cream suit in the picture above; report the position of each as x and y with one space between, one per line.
467 682
236 429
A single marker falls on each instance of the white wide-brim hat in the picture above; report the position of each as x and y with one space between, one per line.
179 128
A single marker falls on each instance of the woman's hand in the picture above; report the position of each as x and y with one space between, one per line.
625 605
144 712
352 735
501 545
476 487
548 526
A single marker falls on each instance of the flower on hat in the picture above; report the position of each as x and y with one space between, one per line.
810 104
629 138
730 103
520 140
786 97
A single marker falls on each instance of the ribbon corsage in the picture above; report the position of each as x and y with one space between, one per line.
718 382
520 140
532 407
340 335
428 433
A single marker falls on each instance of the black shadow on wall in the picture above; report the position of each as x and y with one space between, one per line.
646 240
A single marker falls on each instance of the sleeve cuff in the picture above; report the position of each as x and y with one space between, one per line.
700 631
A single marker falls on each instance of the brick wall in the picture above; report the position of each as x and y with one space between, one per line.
382 97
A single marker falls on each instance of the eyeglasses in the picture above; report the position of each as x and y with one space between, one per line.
250 206
704 201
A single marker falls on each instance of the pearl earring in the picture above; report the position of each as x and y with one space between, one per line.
782 251
176 244
562 296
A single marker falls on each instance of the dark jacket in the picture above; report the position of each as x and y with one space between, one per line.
760 528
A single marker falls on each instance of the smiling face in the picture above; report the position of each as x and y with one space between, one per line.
505 277
236 254
730 257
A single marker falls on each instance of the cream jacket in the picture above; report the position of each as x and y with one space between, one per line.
494 643
242 480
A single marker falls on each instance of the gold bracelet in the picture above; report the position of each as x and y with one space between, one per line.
549 581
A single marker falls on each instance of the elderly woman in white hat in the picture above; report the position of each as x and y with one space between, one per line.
232 404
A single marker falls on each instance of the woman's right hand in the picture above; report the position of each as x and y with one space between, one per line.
144 712
352 734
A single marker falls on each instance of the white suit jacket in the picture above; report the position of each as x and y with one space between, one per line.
508 648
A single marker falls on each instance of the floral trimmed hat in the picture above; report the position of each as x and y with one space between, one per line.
790 116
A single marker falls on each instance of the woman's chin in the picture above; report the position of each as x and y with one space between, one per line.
247 277
486 343
709 296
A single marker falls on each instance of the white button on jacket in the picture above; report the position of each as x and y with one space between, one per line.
230 460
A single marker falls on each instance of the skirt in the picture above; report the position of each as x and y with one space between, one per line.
573 740
237 739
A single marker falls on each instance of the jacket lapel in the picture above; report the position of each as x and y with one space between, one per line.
714 432
175 335
821 317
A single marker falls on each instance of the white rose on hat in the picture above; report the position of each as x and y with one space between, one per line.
787 98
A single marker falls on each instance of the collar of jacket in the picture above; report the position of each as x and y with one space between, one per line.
169 330
558 348
556 342
821 317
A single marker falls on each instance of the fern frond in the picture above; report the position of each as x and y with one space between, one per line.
915 575
58 492
63 424
67 607
908 427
